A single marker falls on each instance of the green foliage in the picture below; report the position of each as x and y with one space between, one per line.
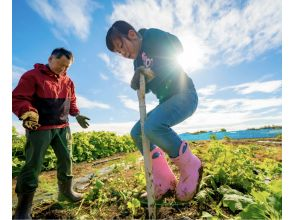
86 146
232 166
240 181
279 137
212 137
18 154
269 203
236 202
140 178
233 185
197 132
226 190
236 181
95 193
227 138
253 211
133 205
205 196
93 145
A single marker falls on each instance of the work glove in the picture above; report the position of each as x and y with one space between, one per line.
147 72
82 121
30 120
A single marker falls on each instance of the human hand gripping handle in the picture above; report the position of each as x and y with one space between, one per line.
82 121
30 120
148 74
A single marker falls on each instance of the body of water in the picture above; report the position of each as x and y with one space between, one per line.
261 133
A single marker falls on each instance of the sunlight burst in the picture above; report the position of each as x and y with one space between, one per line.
193 56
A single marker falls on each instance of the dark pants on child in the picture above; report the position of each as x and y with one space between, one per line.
35 149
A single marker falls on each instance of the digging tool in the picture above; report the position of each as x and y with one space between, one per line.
146 151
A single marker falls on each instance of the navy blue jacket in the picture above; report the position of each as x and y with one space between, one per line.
159 51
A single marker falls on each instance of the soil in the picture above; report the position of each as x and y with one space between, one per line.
46 206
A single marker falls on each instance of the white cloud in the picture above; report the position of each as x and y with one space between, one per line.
129 103
252 87
240 33
237 105
150 12
66 16
119 128
104 57
244 88
134 104
209 90
230 121
212 32
120 67
233 114
83 102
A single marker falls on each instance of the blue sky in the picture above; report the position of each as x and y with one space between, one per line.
232 52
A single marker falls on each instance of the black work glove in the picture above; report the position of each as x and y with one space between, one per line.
147 72
82 121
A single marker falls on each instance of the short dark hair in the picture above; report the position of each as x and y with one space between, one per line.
118 30
59 52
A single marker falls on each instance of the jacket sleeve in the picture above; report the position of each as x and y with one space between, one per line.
73 111
22 95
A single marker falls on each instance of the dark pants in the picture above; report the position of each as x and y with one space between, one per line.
35 149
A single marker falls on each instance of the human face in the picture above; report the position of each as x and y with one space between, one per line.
59 65
127 47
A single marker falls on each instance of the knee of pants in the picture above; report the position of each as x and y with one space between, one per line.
151 129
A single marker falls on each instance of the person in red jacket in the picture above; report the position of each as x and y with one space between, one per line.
43 99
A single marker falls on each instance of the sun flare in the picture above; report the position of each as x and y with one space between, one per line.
192 57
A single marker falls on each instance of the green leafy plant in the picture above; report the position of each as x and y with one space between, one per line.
212 137
227 138
86 146
133 205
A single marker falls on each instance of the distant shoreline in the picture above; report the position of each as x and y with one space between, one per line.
225 130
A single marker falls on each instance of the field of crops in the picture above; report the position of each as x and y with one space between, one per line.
242 180
86 146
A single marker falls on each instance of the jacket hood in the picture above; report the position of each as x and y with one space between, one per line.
45 69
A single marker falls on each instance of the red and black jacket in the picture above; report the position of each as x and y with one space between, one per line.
51 96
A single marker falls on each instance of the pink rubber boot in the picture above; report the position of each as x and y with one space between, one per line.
190 173
163 177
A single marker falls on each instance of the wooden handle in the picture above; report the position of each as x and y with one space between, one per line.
146 151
